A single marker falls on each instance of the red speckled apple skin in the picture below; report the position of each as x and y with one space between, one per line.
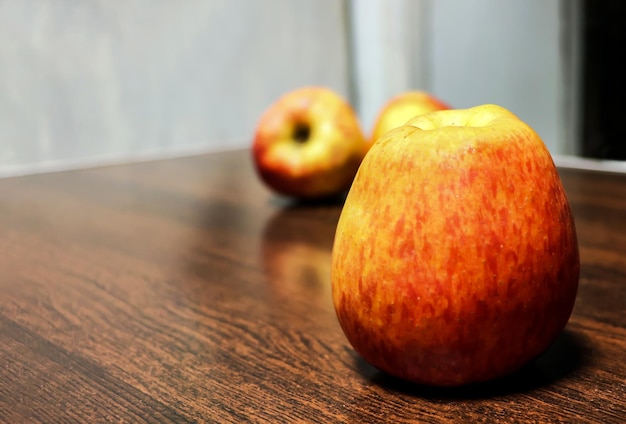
455 257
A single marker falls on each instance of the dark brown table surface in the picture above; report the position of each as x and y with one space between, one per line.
184 291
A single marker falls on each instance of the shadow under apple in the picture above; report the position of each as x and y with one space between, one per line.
570 352
289 203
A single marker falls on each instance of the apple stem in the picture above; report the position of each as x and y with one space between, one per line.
301 132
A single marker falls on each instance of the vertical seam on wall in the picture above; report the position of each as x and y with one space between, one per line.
423 65
353 88
571 45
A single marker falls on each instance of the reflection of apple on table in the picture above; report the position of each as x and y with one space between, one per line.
455 258
308 144
296 249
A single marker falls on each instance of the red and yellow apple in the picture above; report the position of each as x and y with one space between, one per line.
309 144
455 257
402 107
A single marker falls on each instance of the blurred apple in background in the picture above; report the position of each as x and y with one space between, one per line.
309 144
399 109
455 258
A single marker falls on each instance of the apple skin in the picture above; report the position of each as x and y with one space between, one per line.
309 144
401 108
455 258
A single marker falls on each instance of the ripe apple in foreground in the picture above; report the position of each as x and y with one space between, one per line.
402 107
309 144
455 257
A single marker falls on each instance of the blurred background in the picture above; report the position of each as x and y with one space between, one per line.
85 83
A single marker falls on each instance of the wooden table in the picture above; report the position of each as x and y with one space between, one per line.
183 291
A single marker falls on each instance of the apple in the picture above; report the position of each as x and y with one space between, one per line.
402 107
455 258
309 144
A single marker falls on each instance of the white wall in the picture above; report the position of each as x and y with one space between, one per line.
504 52
91 81
468 53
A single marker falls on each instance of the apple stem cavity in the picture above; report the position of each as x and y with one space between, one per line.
301 132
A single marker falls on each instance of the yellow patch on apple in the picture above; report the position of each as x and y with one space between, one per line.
402 107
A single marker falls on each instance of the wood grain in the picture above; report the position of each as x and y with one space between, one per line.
183 291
